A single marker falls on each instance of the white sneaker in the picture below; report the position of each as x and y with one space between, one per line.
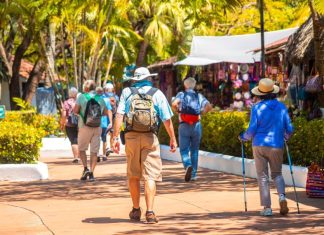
266 212
283 205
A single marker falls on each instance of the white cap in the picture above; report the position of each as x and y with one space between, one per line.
109 86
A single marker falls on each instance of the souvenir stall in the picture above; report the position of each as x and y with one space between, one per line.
276 64
304 87
166 80
227 85
229 66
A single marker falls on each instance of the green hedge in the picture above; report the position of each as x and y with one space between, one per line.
47 123
220 131
20 143
21 134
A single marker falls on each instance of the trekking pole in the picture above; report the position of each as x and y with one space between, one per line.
292 176
243 171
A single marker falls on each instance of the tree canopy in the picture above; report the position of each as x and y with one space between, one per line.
84 39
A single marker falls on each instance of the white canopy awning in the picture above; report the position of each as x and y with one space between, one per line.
236 49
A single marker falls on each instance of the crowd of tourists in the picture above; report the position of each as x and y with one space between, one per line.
135 119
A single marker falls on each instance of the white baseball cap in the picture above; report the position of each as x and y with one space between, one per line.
109 86
142 73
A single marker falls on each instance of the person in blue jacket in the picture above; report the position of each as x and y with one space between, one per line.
269 127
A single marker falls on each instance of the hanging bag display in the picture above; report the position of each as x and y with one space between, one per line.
315 181
313 85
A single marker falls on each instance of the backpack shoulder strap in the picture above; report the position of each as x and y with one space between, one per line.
152 91
134 91
87 96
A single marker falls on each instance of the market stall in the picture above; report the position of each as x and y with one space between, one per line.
227 67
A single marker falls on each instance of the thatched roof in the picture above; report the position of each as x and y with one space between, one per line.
300 45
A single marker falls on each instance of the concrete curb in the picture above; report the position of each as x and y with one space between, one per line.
233 165
23 172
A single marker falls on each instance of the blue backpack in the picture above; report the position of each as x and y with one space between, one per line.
190 103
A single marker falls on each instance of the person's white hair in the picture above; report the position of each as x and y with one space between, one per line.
73 92
189 83
109 87
99 89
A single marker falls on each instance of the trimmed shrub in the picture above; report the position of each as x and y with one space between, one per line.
220 131
20 143
25 117
47 123
307 143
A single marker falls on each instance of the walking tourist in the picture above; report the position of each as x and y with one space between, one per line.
142 105
109 93
190 105
90 107
106 124
69 122
269 127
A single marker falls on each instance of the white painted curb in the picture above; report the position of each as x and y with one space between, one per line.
233 165
23 172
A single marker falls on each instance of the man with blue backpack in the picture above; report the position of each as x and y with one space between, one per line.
190 105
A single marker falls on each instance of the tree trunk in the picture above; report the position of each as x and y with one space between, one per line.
109 63
94 60
33 81
74 58
142 53
66 69
14 86
5 59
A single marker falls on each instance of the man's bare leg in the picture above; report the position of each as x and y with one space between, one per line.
135 191
150 190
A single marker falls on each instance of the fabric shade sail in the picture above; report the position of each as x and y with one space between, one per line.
236 49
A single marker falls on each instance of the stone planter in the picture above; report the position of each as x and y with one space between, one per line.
23 172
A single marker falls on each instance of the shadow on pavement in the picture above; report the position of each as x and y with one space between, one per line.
302 197
104 220
241 223
112 185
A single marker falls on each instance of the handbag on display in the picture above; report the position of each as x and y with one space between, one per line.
221 74
315 181
313 85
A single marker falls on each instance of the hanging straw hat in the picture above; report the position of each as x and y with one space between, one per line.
266 86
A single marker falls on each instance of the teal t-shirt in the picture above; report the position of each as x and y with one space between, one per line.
82 102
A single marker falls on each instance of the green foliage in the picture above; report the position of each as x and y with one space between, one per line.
25 117
24 105
220 131
307 145
21 145
47 124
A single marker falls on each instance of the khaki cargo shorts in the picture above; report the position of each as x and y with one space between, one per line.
89 135
143 156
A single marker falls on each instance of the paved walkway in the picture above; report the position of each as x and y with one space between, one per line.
212 205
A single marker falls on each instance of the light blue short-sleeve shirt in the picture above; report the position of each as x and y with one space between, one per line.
104 119
161 104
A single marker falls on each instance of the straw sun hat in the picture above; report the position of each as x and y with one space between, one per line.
266 86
